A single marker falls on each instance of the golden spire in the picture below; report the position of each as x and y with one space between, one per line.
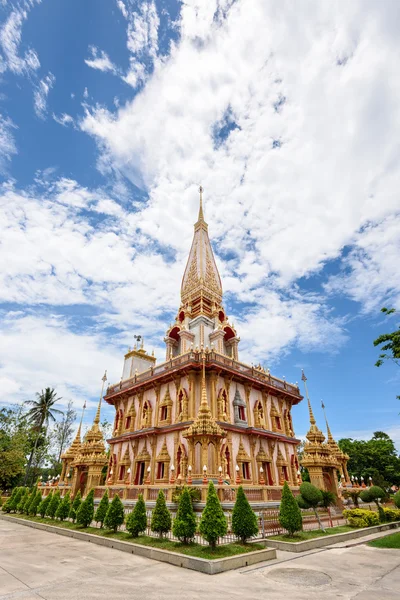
201 283
97 417
204 423
78 433
201 215
330 436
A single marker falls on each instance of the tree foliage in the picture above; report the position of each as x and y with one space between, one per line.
161 517
44 505
136 522
389 344
53 505
328 498
289 512
310 497
184 526
115 514
75 506
64 507
396 499
244 519
213 523
63 431
376 458
14 445
85 513
102 509
33 507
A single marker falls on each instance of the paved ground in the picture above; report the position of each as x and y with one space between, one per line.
36 564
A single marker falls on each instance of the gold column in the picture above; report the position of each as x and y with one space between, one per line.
247 390
192 394
213 394
157 404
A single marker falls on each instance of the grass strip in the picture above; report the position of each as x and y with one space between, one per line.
303 536
193 549
388 541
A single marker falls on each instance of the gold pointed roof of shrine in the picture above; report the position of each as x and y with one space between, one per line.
204 424
201 277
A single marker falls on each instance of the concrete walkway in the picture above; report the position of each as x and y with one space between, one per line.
36 564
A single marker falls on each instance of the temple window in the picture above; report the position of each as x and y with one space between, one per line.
285 473
278 422
164 413
239 407
228 462
128 422
160 470
246 470
121 472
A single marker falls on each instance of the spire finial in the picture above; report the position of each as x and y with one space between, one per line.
204 402
312 418
201 215
330 436
78 433
97 417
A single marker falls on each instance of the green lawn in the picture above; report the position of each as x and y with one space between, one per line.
193 549
389 541
302 536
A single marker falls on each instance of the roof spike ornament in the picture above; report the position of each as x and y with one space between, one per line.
201 214
328 430
97 417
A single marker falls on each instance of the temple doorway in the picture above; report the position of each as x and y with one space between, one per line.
140 470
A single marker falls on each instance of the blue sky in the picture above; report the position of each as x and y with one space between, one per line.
111 115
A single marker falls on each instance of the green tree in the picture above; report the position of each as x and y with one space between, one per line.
375 494
136 522
14 446
40 414
353 494
376 458
184 526
53 505
17 499
328 498
9 503
75 506
390 344
64 507
289 512
44 505
115 514
28 501
396 499
33 507
102 509
21 504
244 519
161 517
311 497
85 513
213 523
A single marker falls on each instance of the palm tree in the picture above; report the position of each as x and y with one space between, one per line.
40 414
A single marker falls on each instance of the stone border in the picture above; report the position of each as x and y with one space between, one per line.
209 567
329 539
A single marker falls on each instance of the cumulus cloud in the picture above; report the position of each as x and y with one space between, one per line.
292 134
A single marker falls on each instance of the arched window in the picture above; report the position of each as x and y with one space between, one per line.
197 458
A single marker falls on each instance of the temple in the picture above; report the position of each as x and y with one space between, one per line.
201 414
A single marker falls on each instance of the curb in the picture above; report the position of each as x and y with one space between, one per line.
209 567
328 540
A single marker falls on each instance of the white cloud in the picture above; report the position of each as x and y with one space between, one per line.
314 104
10 41
100 61
41 93
370 272
64 119
7 143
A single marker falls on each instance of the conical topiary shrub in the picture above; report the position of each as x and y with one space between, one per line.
213 524
115 514
17 498
161 517
44 505
136 522
53 505
85 513
28 501
7 508
102 509
289 512
244 519
75 506
64 507
184 526
21 503
35 503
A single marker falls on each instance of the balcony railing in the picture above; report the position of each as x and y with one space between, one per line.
211 357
